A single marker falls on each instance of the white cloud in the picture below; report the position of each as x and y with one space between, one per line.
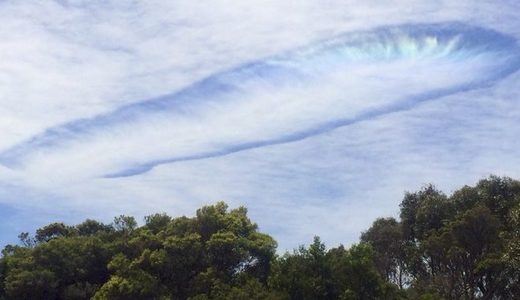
68 61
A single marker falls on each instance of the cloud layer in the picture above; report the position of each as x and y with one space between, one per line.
320 124
282 99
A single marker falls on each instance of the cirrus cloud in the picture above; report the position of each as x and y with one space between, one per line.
317 113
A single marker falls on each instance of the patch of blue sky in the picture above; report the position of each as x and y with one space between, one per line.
9 216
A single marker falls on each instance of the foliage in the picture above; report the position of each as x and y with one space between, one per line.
462 246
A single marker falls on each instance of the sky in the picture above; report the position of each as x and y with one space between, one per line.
316 115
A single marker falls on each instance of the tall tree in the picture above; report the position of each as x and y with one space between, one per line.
385 236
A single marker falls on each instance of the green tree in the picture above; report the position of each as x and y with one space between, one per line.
424 211
65 264
124 224
304 274
465 246
385 236
157 222
92 227
53 231
176 253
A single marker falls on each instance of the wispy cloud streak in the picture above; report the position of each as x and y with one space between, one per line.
320 70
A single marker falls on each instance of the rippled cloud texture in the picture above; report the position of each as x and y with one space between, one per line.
316 115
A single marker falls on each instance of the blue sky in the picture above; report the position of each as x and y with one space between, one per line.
316 115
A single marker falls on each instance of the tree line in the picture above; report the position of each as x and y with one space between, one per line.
462 246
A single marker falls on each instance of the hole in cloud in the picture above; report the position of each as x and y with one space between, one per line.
293 96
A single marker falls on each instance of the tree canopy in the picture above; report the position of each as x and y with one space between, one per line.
460 246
